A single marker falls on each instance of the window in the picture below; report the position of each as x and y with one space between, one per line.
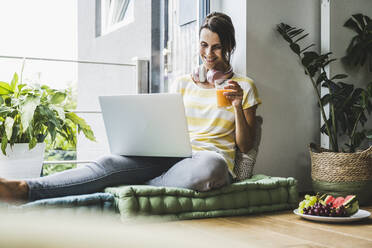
114 14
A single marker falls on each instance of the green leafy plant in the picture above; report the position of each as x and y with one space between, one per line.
31 113
348 106
360 48
60 149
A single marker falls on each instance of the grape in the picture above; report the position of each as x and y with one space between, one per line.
338 212
304 206
313 200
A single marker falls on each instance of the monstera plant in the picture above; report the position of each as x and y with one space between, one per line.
29 113
360 48
349 107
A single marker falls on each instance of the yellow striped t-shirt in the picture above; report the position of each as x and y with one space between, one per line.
212 128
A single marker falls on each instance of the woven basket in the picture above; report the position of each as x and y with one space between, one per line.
340 173
340 167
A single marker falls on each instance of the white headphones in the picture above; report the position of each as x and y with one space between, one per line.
200 75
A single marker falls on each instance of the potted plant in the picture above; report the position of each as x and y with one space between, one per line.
341 169
28 115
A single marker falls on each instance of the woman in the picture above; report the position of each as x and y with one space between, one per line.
214 132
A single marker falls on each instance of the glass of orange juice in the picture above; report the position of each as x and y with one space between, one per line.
220 84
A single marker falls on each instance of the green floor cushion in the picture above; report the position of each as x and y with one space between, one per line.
255 195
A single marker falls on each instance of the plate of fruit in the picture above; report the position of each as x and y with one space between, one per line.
327 208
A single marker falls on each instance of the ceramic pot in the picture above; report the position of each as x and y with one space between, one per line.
20 162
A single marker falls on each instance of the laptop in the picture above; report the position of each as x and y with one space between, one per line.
146 125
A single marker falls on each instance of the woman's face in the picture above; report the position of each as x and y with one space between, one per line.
211 50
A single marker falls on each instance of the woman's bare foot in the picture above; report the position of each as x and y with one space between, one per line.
13 190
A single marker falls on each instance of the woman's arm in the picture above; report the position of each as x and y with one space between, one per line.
245 120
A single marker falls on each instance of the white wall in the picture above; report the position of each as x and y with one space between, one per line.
120 46
291 117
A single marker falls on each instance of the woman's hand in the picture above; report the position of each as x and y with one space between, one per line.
236 94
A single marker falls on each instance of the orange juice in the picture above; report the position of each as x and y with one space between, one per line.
222 101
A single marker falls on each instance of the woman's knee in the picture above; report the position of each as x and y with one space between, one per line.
212 172
109 162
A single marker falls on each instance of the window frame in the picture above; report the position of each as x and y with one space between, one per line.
102 12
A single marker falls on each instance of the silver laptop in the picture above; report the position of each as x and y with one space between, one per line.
146 125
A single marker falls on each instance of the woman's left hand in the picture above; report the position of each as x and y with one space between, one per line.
236 94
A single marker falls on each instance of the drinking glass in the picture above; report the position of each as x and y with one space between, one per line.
220 84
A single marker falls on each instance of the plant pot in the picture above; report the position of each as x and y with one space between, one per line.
341 174
20 162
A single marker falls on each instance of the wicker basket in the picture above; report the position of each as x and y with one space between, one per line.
340 173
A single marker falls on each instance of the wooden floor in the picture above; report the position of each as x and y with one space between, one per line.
89 230
281 229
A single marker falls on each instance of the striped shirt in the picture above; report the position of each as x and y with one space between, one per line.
212 128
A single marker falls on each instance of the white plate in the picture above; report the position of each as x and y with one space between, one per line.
361 214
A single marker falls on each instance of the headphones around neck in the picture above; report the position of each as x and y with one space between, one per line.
201 75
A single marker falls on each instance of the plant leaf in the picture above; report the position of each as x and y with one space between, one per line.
32 143
9 121
359 20
369 89
60 111
339 76
329 61
350 23
369 134
326 99
4 143
58 98
20 87
301 38
75 119
14 82
295 48
308 58
27 111
49 114
331 85
307 47
295 32
5 88
322 77
89 134
81 124
283 28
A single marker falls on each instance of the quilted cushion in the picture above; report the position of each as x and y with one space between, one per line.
258 194
95 202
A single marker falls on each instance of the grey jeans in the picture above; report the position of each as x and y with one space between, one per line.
204 171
